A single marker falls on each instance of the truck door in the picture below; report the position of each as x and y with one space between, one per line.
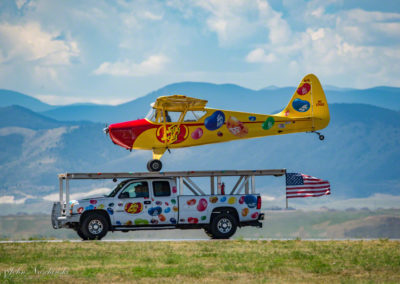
133 204
164 208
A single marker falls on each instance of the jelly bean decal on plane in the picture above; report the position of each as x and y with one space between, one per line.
215 121
300 105
197 134
236 127
304 89
268 123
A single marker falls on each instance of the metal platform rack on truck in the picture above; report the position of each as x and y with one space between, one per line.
155 200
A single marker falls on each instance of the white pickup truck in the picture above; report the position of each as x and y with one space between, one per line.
148 201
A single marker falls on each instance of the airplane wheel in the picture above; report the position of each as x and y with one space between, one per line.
154 165
321 137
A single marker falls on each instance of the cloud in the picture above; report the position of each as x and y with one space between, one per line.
351 45
66 100
242 19
151 66
28 42
258 55
80 195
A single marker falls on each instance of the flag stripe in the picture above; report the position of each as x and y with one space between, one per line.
308 191
309 195
301 187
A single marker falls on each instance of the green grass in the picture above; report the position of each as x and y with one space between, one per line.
204 261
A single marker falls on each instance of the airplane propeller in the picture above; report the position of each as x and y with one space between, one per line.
106 130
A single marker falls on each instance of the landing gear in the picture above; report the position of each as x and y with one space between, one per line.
320 136
154 165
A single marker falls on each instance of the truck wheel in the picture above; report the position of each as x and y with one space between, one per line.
154 166
94 227
208 232
80 234
223 226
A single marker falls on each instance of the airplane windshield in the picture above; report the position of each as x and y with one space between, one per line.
152 115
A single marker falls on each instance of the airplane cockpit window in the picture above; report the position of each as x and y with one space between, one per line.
171 116
152 115
194 115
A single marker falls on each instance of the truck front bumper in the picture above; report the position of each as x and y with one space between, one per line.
59 220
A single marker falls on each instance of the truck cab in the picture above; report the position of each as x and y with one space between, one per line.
153 202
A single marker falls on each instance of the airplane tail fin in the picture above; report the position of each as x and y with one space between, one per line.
309 102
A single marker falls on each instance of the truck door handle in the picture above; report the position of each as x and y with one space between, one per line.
147 202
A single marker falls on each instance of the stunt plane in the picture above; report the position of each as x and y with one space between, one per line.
179 121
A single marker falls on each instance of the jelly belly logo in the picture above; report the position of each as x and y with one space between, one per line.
175 134
133 208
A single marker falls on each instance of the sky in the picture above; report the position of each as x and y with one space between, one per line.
111 52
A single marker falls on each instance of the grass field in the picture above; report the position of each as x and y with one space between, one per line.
203 261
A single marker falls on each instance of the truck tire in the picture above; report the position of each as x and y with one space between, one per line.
80 234
208 231
223 226
94 226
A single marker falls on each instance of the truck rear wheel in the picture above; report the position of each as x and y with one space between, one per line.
94 227
223 226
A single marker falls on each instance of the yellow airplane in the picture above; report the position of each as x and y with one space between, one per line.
178 121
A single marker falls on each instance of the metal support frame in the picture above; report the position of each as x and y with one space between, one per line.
219 184
189 187
182 176
237 184
246 180
194 185
180 185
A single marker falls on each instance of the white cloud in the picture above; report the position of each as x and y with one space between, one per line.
152 65
29 42
10 199
349 50
20 3
241 19
151 16
80 195
64 100
258 55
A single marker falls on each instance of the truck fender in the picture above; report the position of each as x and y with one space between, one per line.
103 212
225 209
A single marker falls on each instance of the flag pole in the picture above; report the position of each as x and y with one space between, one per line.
286 192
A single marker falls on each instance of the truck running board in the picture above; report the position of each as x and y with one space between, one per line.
122 228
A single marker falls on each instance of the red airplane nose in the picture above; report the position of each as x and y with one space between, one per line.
124 134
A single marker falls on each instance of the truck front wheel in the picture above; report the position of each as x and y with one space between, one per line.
223 226
94 227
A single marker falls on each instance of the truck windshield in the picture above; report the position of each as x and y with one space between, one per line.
117 188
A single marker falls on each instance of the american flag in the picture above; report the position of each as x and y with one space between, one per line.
300 185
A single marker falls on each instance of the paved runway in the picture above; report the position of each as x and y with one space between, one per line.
186 240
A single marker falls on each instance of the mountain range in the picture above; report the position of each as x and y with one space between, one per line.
359 155
223 96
